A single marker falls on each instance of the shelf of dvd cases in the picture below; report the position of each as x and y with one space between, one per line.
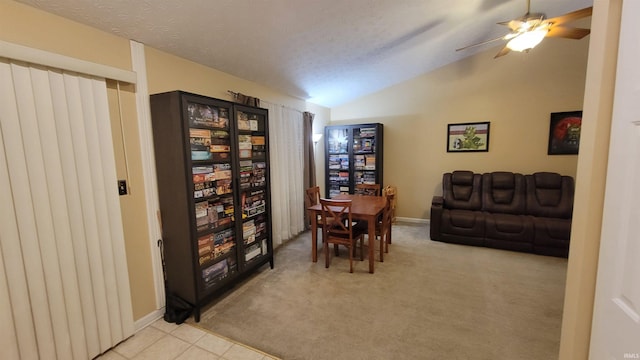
253 194
353 156
213 217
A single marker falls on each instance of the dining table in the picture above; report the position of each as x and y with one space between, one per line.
363 208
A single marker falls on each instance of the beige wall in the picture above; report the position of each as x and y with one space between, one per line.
516 93
124 127
24 25
590 187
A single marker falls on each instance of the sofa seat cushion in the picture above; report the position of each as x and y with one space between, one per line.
551 236
510 232
517 228
462 226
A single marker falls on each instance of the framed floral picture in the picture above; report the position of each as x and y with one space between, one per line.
564 133
467 137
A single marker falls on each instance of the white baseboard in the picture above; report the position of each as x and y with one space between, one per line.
412 220
148 319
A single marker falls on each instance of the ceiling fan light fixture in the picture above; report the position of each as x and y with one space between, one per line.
528 40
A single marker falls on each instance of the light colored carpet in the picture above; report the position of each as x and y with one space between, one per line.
427 300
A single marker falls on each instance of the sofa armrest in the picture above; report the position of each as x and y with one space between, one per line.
437 201
436 215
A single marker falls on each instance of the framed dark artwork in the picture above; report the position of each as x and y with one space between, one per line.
466 137
564 133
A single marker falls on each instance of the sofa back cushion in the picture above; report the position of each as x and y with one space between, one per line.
549 195
462 190
503 192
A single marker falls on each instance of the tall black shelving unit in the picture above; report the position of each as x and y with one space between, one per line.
212 164
353 155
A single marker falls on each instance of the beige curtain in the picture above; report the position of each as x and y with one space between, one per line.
64 288
286 161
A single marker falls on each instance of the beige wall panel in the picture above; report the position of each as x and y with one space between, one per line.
516 93
124 126
167 72
590 188
28 26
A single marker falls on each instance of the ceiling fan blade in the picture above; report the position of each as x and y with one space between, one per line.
481 43
505 50
568 32
575 15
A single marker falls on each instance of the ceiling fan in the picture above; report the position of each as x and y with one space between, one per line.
528 31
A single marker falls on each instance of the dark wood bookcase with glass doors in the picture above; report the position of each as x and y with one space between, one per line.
353 155
212 164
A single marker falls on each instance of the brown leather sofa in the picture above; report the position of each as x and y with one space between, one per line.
505 210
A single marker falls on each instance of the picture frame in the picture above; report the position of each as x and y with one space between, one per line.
468 137
564 133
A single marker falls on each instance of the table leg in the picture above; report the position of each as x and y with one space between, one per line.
372 241
314 237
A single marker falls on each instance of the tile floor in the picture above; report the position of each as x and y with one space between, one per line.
165 341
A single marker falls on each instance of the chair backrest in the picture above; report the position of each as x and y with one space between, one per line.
368 189
391 190
336 215
503 192
462 190
387 214
549 195
312 196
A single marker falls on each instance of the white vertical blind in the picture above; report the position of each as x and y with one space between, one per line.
64 269
287 169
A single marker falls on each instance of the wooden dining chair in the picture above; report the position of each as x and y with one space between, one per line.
383 227
368 189
312 197
339 229
391 190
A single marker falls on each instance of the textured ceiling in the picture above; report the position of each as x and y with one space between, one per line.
325 51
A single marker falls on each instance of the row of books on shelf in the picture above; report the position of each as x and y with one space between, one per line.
214 213
213 274
250 122
339 161
364 146
365 132
212 172
253 203
253 229
364 177
211 188
338 176
364 162
252 174
208 116
210 180
337 190
255 250
251 146
335 147
209 144
215 245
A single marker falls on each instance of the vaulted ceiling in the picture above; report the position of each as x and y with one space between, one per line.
326 51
